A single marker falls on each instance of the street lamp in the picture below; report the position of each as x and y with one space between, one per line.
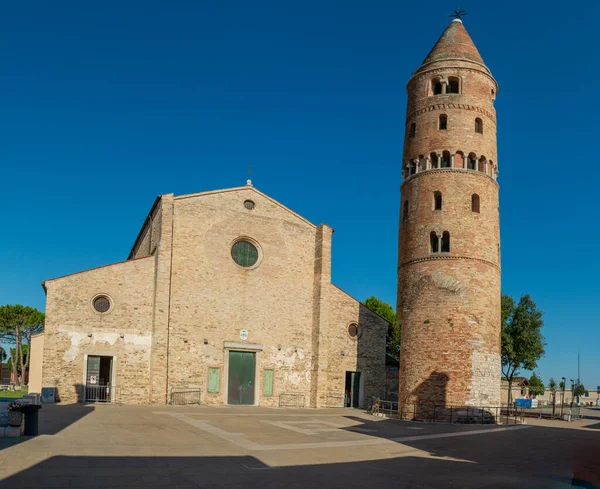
572 392
562 404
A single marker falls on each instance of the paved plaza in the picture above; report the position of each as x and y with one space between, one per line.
248 447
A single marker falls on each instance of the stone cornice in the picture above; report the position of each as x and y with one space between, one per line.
446 170
448 257
447 106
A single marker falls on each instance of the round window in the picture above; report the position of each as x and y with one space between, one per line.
244 253
249 204
101 304
353 330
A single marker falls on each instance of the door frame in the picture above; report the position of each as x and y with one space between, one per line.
361 386
255 348
113 369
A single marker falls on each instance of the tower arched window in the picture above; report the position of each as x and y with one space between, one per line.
434 242
443 123
437 201
446 159
471 162
482 164
434 160
413 168
412 131
436 86
475 203
405 211
446 242
453 85
479 125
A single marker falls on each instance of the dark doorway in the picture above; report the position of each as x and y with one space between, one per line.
352 397
98 378
241 377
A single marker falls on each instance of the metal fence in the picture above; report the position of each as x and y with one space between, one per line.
443 413
100 394
184 396
292 400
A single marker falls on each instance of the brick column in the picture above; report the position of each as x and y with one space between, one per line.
159 359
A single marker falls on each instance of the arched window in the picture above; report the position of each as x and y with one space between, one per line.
471 162
412 130
443 124
405 211
413 168
482 161
434 160
436 86
475 203
446 242
446 159
434 242
491 168
479 125
453 85
437 201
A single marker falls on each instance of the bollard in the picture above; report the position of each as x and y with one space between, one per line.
32 422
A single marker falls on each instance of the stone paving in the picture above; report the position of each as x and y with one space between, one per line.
246 447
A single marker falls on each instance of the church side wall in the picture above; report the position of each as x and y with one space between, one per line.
73 329
213 299
364 354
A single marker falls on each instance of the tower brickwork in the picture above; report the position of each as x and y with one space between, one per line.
449 239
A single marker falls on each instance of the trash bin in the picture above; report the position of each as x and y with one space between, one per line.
32 422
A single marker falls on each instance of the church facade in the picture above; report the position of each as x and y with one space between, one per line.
226 294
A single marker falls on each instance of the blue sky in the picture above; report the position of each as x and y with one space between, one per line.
104 106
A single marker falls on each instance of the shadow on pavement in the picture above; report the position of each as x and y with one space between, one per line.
538 452
53 418
249 472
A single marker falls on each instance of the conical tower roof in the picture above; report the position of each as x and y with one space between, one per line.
454 43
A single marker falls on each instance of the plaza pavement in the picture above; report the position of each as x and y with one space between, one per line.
249 447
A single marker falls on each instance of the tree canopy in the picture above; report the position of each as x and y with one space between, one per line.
18 323
536 386
386 311
522 339
579 389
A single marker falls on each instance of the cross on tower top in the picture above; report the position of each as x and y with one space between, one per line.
458 14
249 182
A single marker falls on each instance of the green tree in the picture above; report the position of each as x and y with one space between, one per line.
579 390
2 354
536 386
386 311
17 324
522 339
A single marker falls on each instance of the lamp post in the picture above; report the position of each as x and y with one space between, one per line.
562 404
572 392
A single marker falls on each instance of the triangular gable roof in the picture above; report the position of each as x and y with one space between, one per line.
245 187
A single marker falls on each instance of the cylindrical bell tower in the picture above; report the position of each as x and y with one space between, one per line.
449 240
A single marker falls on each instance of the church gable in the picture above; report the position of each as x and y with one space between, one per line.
246 201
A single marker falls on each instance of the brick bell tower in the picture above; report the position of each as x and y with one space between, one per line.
449 240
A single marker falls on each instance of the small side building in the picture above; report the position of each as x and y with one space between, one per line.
227 293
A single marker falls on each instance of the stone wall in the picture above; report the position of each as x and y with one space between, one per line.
73 329
181 309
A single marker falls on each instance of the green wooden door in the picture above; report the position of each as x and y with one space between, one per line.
241 377
355 389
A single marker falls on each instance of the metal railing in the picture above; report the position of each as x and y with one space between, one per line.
100 394
292 400
444 413
181 397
